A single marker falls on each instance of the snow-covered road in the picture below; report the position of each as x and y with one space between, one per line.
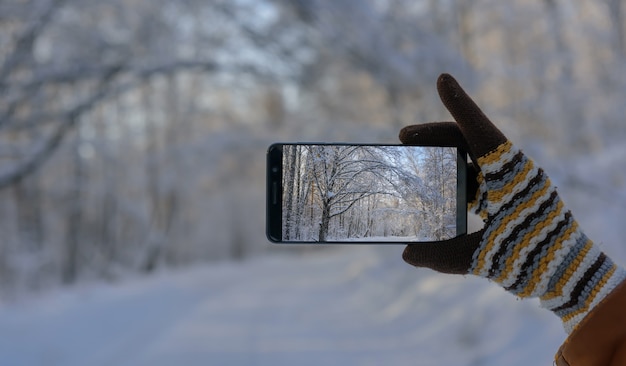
358 305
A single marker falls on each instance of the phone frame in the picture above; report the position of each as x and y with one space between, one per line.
274 193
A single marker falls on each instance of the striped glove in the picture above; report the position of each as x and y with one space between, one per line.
530 244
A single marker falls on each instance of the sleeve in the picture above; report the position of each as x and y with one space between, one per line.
600 338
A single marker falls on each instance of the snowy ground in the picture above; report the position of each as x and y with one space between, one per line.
354 305
350 305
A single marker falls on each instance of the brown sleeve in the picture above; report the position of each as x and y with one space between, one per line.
600 338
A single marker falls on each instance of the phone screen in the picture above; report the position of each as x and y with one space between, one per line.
347 193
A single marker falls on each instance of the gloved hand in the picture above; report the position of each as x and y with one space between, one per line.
530 244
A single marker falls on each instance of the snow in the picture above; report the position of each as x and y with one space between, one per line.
341 305
349 305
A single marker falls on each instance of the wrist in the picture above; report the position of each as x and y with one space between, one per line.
582 281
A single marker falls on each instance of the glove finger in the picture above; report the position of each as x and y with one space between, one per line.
481 135
472 181
452 256
433 134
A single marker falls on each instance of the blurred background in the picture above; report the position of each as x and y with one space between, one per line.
133 137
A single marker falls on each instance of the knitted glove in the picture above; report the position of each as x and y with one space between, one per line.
530 244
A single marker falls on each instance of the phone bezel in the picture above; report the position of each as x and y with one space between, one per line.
274 194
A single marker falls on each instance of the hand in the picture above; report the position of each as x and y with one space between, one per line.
530 244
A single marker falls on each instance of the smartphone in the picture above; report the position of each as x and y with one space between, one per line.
365 193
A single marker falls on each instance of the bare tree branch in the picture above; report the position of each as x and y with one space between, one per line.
68 119
25 40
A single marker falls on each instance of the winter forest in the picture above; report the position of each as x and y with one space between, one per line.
132 132
133 136
343 193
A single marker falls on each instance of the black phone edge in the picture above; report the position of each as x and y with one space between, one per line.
274 168
274 193
461 192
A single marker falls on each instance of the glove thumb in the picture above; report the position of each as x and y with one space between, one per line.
452 256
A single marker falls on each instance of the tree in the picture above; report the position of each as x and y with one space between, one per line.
368 192
72 74
131 131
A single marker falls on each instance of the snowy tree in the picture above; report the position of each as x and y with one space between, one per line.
131 131
369 191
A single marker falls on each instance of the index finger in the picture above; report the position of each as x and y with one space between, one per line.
481 135
433 134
